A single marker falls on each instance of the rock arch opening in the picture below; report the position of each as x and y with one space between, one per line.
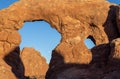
89 42
41 36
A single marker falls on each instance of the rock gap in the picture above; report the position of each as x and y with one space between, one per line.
41 36
90 42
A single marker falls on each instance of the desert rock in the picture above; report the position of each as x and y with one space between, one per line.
76 21
34 64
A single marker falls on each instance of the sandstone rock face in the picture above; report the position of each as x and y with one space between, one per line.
118 17
115 53
34 64
5 71
75 20
11 66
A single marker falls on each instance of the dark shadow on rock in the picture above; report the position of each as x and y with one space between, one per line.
13 59
58 68
100 55
110 26
101 67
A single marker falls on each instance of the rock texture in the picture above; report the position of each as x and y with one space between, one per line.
11 66
118 17
34 64
75 20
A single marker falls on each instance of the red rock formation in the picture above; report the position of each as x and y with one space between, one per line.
75 20
34 64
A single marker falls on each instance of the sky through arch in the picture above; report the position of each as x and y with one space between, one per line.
41 36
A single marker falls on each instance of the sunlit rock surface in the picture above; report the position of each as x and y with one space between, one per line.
34 64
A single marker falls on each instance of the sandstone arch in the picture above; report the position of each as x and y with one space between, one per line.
75 20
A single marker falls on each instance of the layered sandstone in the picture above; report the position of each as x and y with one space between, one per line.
75 20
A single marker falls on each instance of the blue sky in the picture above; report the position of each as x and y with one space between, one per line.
115 1
6 3
40 35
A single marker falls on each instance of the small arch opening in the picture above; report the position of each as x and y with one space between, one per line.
90 42
40 36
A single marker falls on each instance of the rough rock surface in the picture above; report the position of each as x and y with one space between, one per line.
11 66
75 20
34 64
118 17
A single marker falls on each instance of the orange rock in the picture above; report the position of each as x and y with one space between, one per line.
35 65
75 20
